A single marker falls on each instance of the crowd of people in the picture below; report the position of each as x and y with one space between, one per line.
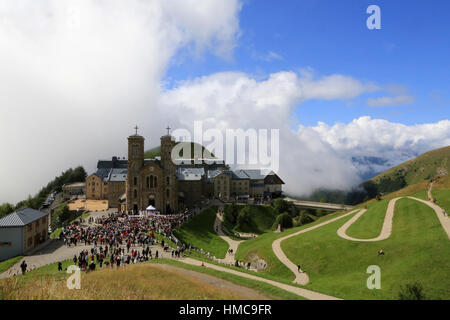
121 229
120 239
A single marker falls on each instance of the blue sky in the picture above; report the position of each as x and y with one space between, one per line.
412 50
108 60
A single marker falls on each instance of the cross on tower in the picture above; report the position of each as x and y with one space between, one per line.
136 128
168 130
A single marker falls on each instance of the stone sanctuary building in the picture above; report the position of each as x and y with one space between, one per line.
136 183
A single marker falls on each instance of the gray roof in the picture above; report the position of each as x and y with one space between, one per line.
117 175
21 218
190 174
253 174
213 173
239 175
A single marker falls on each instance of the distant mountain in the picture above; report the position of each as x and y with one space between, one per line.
421 168
424 167
369 167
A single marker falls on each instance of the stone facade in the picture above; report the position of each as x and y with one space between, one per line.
34 233
96 188
135 183
151 182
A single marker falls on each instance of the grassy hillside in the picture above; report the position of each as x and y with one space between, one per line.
424 167
134 282
262 247
156 151
199 232
260 219
416 251
370 223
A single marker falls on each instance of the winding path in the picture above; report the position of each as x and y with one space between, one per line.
300 277
308 294
233 244
386 231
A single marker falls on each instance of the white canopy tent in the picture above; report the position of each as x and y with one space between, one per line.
151 210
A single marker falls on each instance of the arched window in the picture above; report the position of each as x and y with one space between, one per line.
154 181
135 181
168 193
148 182
151 181
135 193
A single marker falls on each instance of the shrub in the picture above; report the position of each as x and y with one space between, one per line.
280 205
411 291
243 217
284 220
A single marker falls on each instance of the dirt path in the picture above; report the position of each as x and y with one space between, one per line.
244 292
300 277
233 244
445 221
308 294
386 229
55 251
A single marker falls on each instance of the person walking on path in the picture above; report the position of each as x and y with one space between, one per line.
60 266
444 212
23 266
299 269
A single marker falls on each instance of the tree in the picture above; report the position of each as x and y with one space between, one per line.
243 217
284 220
280 205
60 215
5 209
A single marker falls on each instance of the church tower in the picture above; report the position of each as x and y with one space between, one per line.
170 190
135 164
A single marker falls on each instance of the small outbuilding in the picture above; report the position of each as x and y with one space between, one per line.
21 231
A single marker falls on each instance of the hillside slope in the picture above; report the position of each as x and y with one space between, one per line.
156 151
424 167
134 282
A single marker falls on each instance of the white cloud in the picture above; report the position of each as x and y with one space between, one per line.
77 75
310 157
400 100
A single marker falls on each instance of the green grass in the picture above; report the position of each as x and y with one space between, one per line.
418 250
370 223
264 288
199 232
421 195
261 219
423 167
5 265
442 198
156 151
262 247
